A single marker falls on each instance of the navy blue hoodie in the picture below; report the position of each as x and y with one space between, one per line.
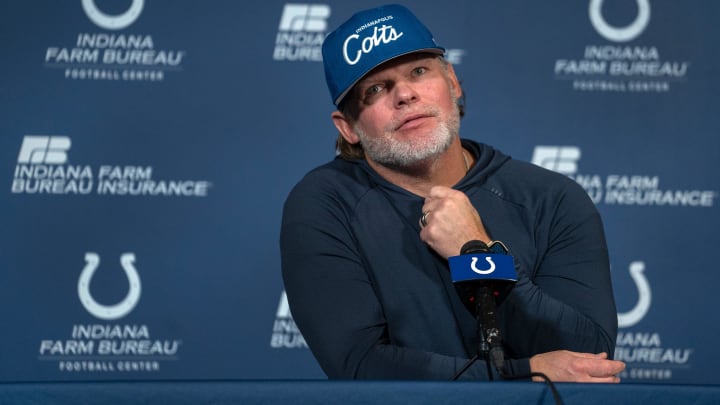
375 302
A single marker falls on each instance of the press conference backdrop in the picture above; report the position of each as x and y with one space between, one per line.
147 147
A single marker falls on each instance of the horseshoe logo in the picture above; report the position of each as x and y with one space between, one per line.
108 312
636 314
620 34
473 265
110 22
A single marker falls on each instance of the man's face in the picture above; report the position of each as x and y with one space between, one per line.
408 110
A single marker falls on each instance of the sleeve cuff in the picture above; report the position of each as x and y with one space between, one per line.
518 369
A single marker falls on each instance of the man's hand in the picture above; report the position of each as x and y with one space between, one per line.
451 221
567 366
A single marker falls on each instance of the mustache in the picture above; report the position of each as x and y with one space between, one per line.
397 122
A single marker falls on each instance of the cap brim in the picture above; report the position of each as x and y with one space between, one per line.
437 51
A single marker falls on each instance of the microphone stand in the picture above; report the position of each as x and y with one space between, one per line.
489 345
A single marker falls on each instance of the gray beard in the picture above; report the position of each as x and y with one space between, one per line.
390 152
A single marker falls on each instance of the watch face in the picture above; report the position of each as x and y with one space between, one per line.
497 247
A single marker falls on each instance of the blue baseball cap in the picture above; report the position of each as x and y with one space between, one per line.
368 39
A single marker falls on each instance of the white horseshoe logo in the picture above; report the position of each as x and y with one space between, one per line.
620 34
473 265
120 309
111 22
636 314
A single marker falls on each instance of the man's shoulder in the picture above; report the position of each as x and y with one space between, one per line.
338 179
532 172
520 180
335 173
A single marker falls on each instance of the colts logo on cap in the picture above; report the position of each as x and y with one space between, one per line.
382 35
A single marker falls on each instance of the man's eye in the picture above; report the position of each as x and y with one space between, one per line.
372 90
419 71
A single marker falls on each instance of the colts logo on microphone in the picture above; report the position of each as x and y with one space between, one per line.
473 265
109 312
468 267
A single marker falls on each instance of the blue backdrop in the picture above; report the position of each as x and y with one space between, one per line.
147 147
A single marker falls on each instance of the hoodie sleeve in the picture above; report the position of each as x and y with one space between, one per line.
333 300
564 299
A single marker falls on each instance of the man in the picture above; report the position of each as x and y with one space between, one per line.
366 238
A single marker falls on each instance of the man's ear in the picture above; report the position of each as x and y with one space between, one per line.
454 82
344 127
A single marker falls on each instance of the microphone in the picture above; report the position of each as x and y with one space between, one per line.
486 274
487 287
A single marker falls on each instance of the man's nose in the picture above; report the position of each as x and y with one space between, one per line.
404 94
